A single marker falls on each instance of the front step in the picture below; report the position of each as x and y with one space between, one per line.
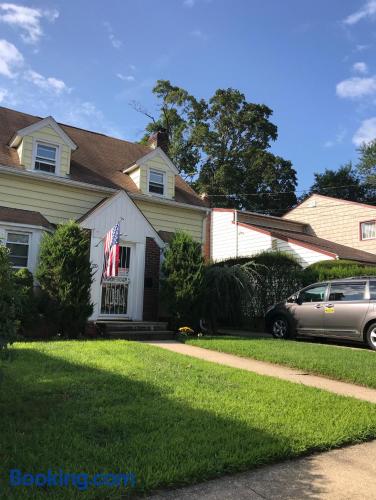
142 335
135 330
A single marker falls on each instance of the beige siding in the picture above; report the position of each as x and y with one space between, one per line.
56 202
135 176
158 164
336 220
171 218
48 135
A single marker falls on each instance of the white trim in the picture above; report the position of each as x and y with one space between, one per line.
18 225
36 142
158 152
45 122
167 201
164 183
54 178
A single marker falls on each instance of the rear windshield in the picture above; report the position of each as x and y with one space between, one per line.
346 292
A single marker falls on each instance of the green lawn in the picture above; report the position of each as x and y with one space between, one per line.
117 406
352 365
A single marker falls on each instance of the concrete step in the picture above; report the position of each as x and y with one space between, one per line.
141 335
132 326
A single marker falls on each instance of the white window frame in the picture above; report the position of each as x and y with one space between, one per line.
361 229
37 142
164 182
28 244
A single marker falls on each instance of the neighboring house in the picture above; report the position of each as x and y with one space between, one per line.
235 233
51 173
346 222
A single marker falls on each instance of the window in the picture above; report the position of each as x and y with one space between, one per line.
45 158
124 258
372 289
18 246
368 230
345 292
313 294
156 182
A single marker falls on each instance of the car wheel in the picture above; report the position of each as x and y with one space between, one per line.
371 337
280 327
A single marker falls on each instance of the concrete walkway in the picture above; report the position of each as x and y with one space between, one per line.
348 473
272 370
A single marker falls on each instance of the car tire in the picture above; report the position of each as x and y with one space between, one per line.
280 328
370 337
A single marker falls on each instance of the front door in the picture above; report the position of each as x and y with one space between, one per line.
346 309
308 312
115 291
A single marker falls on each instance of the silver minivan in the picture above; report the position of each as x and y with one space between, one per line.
339 309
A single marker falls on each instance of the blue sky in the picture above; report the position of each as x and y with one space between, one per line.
312 62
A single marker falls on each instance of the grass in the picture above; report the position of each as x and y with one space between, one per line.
350 365
117 406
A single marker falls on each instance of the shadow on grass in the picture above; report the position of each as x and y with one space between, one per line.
60 415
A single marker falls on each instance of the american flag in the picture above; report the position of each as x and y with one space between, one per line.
111 252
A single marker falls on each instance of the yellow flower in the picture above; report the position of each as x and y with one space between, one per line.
186 329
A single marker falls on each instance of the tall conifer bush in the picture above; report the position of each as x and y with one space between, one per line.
8 320
65 275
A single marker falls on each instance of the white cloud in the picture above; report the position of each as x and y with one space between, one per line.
337 140
50 83
115 42
366 132
189 3
368 10
3 94
360 67
356 87
10 59
125 78
27 19
199 34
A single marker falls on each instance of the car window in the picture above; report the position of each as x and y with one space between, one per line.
313 294
346 292
372 289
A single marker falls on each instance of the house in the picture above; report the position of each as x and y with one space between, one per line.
51 173
341 221
235 233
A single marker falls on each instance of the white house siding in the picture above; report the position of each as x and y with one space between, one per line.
231 240
134 230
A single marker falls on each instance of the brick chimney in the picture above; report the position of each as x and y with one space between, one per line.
159 139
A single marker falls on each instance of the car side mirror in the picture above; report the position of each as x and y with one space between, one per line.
298 300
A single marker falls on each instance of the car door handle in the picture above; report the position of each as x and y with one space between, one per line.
329 305
318 306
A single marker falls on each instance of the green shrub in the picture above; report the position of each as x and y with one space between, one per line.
334 269
8 317
65 275
278 276
26 303
182 278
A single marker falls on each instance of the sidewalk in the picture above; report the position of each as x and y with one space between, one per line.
348 473
269 369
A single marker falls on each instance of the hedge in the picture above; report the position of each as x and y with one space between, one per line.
334 269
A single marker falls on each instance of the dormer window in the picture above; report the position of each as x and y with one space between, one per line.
46 158
157 182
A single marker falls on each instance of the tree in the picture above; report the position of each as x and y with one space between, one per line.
8 323
183 271
65 274
343 183
367 164
223 146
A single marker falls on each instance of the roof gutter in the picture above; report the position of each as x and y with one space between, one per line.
55 179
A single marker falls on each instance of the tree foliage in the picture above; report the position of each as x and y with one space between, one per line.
8 310
367 164
65 275
222 144
344 183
